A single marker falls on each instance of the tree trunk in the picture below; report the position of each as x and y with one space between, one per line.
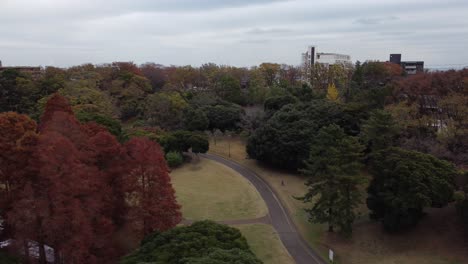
330 228
57 258
26 251
42 254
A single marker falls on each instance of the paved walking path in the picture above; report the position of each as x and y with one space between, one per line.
279 218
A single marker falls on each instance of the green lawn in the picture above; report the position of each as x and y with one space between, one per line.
209 190
265 243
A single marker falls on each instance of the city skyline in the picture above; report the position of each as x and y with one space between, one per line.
239 33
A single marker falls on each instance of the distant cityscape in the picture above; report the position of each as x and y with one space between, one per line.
308 59
311 57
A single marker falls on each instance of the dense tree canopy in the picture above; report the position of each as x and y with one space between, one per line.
114 126
404 183
275 103
284 139
18 92
74 186
76 144
379 131
333 171
201 242
18 140
195 119
224 117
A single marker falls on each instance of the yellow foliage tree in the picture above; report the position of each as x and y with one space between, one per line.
332 92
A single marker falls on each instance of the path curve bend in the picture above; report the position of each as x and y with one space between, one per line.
299 250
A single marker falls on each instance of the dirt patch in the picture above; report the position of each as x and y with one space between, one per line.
436 239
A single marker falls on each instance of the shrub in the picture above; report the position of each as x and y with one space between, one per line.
174 159
201 242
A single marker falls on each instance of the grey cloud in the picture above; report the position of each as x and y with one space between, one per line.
262 31
374 20
255 41
238 32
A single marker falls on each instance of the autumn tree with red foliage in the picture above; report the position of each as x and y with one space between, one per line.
81 186
16 144
127 67
151 194
436 84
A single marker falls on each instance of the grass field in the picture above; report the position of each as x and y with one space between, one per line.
209 190
293 187
265 243
436 240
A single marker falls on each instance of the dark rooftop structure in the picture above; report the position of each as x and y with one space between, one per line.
395 58
410 67
35 72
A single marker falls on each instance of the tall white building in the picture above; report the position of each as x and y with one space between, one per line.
311 57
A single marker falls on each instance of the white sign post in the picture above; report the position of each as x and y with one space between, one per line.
330 255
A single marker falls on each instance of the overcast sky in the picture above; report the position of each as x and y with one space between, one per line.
241 32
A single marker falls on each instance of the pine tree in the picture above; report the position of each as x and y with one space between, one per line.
379 131
333 169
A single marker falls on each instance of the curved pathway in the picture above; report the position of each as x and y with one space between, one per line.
279 218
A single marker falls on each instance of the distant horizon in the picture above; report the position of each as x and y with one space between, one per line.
428 67
240 33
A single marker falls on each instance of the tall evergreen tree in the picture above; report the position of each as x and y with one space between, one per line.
333 170
379 131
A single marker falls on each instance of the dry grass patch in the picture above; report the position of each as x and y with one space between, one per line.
265 243
209 190
293 186
438 239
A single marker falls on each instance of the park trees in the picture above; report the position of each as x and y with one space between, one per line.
18 140
52 80
432 111
461 198
182 141
114 126
165 109
151 196
156 74
404 183
257 89
379 131
77 182
284 139
224 116
18 92
201 242
275 103
270 72
84 95
333 171
228 88
195 119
